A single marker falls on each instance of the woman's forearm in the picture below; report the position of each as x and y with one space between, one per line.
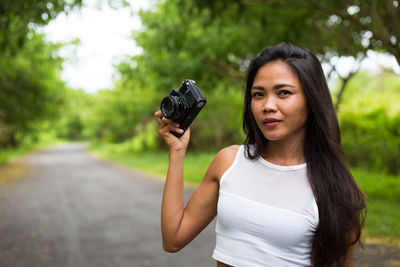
173 201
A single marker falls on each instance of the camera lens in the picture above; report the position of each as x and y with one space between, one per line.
169 106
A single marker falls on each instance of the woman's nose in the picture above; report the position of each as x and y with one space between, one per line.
269 105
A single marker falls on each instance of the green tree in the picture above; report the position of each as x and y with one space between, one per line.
30 89
370 124
212 42
329 28
70 121
344 27
181 40
17 17
30 86
119 114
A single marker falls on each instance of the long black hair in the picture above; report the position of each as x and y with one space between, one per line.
339 199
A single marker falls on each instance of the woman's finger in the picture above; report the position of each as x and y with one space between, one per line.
168 128
165 121
158 116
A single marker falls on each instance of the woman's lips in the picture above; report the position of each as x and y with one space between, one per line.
271 122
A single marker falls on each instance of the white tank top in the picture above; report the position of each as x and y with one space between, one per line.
267 214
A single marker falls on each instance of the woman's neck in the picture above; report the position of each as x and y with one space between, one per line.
285 153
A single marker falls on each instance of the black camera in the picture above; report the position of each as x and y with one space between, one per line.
182 105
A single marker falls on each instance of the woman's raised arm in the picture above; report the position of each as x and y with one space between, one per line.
180 224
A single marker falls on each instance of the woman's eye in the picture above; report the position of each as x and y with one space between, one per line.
257 94
284 93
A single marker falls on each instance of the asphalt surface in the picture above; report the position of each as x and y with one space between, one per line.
63 207
70 209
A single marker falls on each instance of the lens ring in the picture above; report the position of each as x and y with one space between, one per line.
169 106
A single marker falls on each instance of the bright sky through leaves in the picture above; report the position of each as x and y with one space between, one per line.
104 40
105 36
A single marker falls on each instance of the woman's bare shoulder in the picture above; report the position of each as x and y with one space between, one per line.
224 159
228 153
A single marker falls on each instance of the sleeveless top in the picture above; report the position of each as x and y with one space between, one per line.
266 215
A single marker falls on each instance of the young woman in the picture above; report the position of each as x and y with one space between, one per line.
285 197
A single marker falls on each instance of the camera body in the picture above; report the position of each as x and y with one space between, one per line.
182 105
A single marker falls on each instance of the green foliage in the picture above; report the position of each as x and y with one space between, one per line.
370 123
212 42
219 123
120 114
29 144
181 39
17 17
30 89
150 162
378 186
372 140
181 42
7 155
154 163
145 139
70 123
383 218
362 25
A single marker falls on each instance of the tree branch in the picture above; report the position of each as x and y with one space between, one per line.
393 18
380 25
345 80
225 69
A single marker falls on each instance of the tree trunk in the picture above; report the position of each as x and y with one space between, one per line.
342 88
397 56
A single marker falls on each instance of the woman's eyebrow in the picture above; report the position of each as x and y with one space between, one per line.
257 87
276 86
279 86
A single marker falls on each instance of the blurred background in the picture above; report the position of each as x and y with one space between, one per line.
96 71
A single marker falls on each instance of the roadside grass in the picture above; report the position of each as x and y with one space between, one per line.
383 203
155 163
10 154
383 220
382 190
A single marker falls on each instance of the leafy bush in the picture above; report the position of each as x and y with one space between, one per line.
376 185
219 123
70 124
372 140
120 114
370 123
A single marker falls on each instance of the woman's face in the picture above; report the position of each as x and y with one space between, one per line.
278 103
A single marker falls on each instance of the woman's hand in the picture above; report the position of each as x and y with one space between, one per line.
166 126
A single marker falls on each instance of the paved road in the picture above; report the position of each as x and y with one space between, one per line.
70 209
62 207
